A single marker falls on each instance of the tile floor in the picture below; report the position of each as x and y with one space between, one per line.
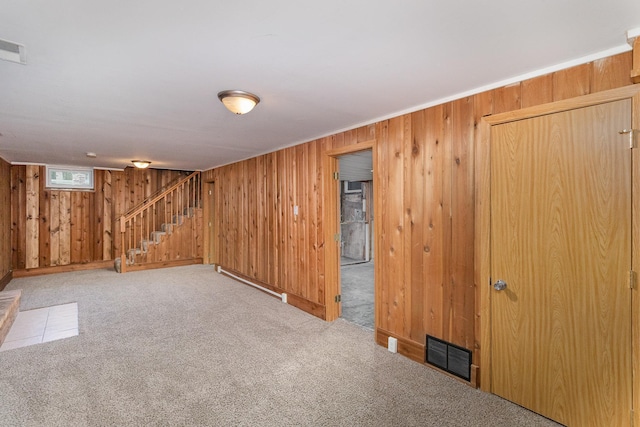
42 325
358 293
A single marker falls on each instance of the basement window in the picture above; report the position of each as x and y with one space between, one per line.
69 178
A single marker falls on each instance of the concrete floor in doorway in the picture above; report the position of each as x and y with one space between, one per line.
357 292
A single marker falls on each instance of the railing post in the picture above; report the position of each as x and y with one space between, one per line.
123 250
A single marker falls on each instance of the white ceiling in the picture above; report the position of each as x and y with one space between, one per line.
139 79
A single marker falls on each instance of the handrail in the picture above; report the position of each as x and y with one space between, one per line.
157 192
166 208
153 199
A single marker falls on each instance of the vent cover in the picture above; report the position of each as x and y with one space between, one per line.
449 357
14 52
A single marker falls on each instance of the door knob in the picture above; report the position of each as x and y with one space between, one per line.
500 285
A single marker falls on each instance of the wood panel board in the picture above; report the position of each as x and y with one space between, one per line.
108 218
44 214
5 223
447 301
433 276
418 178
536 91
32 226
611 72
572 82
483 107
462 223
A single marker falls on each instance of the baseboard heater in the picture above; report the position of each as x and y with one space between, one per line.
449 357
282 296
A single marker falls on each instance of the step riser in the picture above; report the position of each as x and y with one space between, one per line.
156 236
9 307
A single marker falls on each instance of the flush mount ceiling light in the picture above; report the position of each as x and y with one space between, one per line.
238 101
141 164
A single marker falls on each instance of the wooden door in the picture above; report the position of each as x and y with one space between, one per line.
561 240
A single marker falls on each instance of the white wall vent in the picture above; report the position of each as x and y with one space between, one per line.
14 52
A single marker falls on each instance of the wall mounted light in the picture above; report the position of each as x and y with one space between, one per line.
141 164
238 101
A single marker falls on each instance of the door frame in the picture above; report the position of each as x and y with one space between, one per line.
332 226
209 237
482 240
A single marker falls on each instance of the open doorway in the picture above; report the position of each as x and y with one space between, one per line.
356 238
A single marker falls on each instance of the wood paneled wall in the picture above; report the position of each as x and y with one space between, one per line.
5 223
258 234
56 227
424 177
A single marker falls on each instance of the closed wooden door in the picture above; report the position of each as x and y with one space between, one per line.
561 242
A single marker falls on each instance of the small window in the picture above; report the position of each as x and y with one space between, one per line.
352 186
69 177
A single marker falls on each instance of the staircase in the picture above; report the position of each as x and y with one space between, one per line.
163 230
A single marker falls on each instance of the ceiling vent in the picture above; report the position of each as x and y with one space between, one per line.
14 52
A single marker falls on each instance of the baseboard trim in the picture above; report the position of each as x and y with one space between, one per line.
410 349
303 304
416 352
163 264
30 272
5 280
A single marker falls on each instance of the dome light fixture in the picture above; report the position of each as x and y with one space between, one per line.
141 164
238 101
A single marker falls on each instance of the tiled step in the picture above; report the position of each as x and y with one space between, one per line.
9 307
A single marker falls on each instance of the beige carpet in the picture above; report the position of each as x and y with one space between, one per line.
189 347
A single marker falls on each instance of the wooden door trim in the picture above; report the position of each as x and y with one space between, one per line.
209 243
483 207
624 92
635 261
350 149
332 255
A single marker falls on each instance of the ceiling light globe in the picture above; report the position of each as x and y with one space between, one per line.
238 101
141 164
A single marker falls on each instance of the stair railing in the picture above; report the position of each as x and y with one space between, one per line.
158 192
168 207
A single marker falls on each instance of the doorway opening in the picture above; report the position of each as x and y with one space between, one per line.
356 238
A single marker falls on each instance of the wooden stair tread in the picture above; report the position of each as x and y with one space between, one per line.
9 307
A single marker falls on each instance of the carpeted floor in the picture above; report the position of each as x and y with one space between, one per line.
188 347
